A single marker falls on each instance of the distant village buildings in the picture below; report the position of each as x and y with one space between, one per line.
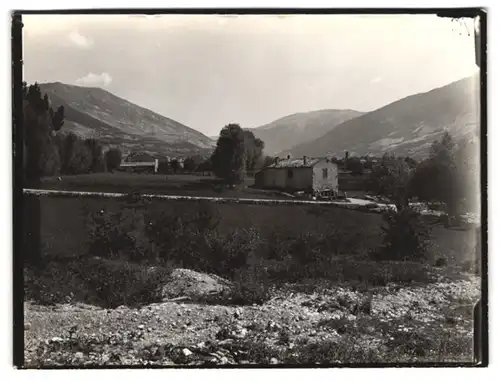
140 166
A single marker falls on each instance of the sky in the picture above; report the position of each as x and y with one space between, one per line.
207 71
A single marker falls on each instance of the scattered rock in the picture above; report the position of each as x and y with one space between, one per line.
141 326
79 355
186 352
27 326
240 334
274 361
192 284
273 327
237 313
370 329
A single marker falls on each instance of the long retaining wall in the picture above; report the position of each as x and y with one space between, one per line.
354 204
61 193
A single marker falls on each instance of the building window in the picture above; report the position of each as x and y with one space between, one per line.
290 173
325 173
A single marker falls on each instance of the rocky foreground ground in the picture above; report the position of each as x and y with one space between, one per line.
310 323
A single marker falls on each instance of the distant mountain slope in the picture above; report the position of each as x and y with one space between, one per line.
291 130
407 126
115 121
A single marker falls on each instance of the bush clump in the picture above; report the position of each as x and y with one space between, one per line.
103 282
250 286
406 237
116 283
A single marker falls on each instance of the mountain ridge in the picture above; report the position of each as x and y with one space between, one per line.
407 126
93 111
300 127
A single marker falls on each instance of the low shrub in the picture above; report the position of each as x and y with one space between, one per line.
250 286
138 232
345 351
278 246
436 346
441 262
116 283
225 253
118 235
406 237
103 282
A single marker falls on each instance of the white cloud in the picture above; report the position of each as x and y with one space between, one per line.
376 80
79 40
95 80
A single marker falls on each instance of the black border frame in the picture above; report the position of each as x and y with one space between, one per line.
481 331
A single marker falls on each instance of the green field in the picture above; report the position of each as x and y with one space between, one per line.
171 184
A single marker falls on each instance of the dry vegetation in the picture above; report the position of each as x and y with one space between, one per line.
128 282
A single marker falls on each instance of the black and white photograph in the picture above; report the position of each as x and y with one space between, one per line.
246 189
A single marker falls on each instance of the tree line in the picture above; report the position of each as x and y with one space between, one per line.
447 176
49 150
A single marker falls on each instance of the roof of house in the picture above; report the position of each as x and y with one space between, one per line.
295 163
138 164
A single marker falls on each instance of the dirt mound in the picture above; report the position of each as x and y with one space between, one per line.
192 285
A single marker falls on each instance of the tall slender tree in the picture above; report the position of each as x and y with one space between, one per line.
40 125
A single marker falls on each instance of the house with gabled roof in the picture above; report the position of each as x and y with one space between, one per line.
314 175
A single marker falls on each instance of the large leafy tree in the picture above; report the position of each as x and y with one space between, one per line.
447 175
205 165
190 164
96 153
253 151
354 165
267 161
391 178
229 157
175 165
113 159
